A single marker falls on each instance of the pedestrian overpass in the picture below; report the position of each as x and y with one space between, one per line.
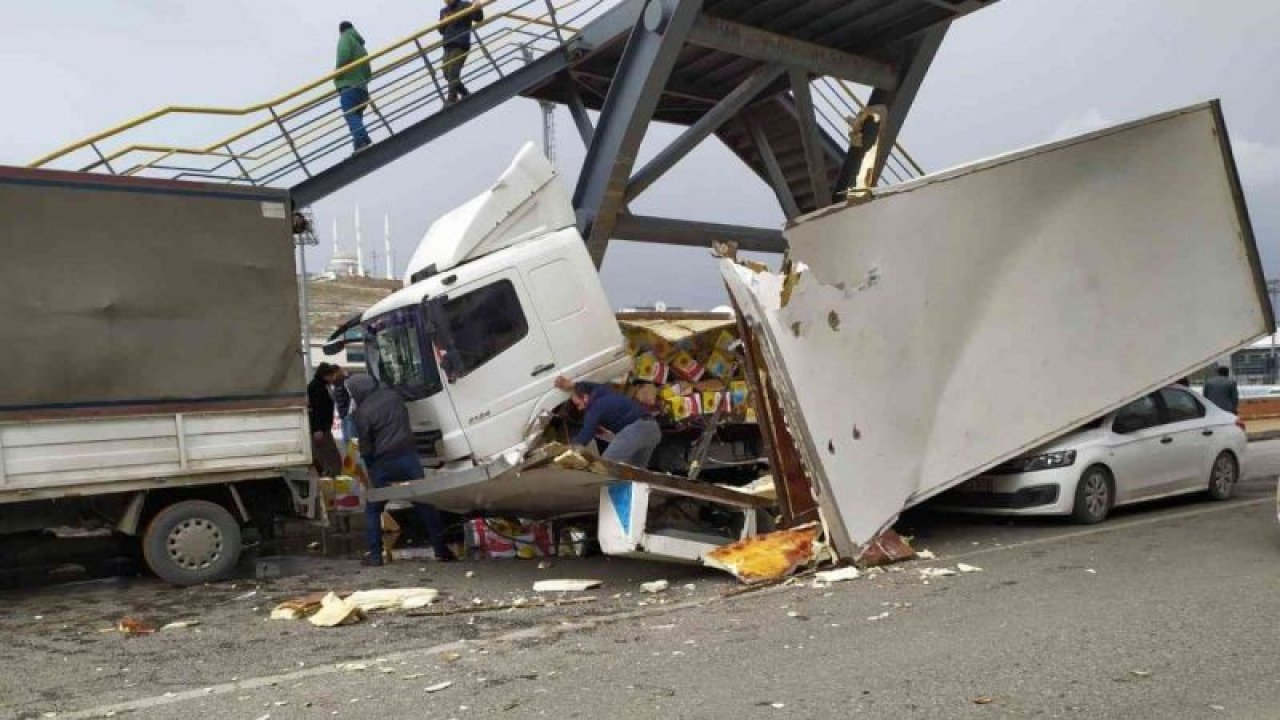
779 82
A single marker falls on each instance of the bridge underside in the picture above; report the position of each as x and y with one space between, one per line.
743 70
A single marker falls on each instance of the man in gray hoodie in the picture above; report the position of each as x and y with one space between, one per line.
387 448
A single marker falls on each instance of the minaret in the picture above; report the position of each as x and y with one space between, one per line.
359 246
386 246
335 236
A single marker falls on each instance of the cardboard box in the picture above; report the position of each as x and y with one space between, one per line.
505 538
715 399
685 367
719 365
648 367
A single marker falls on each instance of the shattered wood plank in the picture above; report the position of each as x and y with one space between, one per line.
795 494
679 485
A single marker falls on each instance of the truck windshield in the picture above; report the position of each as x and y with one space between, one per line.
399 353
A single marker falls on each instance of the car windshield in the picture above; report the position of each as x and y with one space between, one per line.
398 354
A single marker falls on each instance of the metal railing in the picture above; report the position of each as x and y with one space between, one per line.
304 131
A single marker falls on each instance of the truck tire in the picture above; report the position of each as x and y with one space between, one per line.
192 542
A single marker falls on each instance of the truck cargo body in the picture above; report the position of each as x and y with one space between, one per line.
160 337
943 326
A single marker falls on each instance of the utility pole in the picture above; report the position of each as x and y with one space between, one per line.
1273 289
304 239
359 246
386 246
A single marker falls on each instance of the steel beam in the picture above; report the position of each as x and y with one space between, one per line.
689 233
647 61
813 155
752 42
919 56
773 171
578 110
746 91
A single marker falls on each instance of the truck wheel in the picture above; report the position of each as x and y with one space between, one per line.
192 542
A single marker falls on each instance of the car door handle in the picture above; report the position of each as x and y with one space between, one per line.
1206 433
542 368
1166 440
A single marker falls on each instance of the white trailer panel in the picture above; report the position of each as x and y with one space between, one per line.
954 322
88 456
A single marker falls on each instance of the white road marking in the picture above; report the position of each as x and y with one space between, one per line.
1114 526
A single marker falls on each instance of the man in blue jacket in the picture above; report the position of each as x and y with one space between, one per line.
632 432
461 16
388 451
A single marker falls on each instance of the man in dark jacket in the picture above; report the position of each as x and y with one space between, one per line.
1221 390
632 432
388 451
353 85
324 451
461 16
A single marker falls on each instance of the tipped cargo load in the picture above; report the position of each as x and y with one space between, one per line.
929 331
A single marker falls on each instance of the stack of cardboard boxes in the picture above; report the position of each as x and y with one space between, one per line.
684 367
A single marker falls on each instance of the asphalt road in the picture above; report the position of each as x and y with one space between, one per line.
1164 611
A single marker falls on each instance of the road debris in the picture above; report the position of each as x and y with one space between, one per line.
135 626
826 577
965 568
935 572
926 555
438 686
772 556
179 625
393 599
656 586
887 548
413 553
565 585
334 611
983 700
299 607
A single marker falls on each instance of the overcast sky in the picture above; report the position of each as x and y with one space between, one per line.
1019 73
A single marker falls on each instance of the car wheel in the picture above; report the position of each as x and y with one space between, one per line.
192 542
1094 496
1223 477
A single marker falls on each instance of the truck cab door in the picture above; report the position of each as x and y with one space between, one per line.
496 359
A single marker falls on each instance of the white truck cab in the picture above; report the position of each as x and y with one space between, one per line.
500 297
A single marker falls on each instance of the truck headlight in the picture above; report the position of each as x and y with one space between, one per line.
1047 461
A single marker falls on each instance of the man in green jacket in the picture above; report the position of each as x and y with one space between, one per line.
353 85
